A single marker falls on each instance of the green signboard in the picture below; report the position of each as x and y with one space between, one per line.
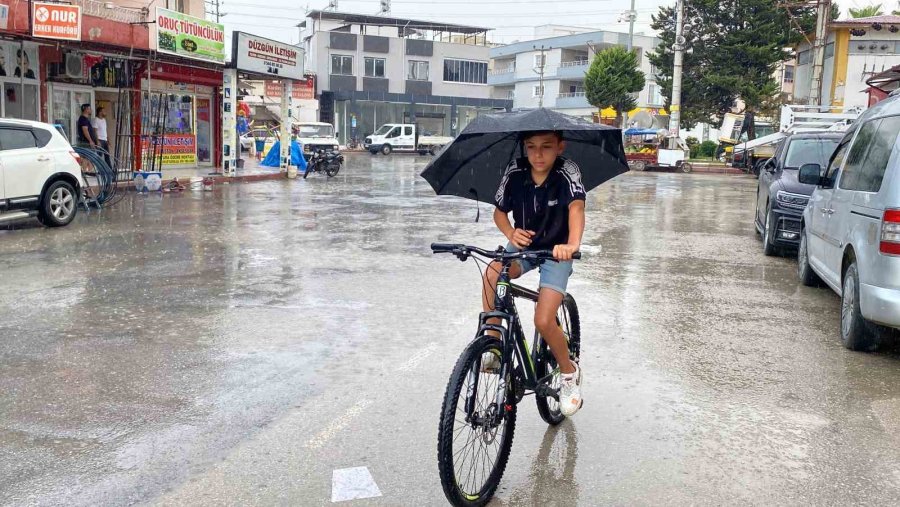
190 37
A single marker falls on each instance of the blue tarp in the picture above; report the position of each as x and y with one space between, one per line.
641 132
273 157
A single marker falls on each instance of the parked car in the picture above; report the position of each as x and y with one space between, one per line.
780 197
404 137
315 136
40 174
851 229
261 134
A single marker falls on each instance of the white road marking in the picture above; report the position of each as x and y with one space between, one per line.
338 424
353 484
418 357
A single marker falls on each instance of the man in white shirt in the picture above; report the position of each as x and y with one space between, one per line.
99 124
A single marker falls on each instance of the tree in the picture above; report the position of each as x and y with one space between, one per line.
733 50
611 79
866 12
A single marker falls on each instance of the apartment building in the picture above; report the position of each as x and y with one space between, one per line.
561 62
373 70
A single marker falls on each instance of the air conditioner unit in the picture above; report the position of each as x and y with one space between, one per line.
74 66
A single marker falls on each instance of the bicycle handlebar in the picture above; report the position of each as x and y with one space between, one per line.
463 251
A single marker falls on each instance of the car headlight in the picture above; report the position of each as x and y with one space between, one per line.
336 147
791 200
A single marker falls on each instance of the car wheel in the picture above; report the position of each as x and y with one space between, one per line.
808 277
769 247
59 204
640 165
386 149
856 333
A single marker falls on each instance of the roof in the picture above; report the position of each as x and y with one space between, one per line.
886 81
408 24
883 20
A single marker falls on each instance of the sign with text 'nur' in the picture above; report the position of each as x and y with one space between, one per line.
56 21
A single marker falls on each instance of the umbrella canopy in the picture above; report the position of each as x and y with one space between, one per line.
473 164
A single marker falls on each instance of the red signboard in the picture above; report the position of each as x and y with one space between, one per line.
56 21
301 89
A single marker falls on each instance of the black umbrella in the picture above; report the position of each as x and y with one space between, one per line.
473 164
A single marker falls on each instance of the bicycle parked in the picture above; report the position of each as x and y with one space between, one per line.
329 162
478 415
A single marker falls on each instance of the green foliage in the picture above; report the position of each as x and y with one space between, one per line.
612 78
707 149
731 54
866 12
692 141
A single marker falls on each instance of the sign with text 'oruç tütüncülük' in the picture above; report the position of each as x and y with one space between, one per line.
259 55
179 34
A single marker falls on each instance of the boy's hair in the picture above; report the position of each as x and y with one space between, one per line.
528 135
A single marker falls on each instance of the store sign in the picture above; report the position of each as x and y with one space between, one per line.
265 56
177 149
303 90
56 21
179 34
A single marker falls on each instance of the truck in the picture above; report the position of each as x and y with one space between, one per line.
404 137
314 135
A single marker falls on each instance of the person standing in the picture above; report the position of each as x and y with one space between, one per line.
87 137
99 124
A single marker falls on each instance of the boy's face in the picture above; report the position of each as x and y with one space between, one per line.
542 150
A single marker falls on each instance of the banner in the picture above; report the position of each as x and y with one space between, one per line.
177 149
56 21
304 90
187 36
265 56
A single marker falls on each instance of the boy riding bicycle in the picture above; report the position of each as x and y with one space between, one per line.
546 197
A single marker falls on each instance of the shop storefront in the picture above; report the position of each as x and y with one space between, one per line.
19 65
183 114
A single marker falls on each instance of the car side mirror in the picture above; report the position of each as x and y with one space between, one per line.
811 174
770 165
337 133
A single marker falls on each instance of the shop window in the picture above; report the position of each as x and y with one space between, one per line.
342 65
374 67
465 71
20 101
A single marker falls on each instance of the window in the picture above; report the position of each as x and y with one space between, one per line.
809 151
788 73
16 139
803 57
176 5
540 61
838 158
538 91
417 71
857 155
374 67
342 65
829 50
656 98
878 145
465 71
395 132
407 131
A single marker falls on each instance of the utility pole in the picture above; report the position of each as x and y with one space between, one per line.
632 15
675 109
215 4
823 13
540 71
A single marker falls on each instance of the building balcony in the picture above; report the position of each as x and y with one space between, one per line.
577 100
504 76
574 69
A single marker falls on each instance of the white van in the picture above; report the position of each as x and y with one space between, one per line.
850 236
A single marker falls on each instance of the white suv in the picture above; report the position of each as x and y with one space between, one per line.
851 227
40 174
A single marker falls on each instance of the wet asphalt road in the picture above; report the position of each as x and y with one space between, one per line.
236 347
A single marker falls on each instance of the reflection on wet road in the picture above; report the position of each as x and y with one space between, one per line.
241 346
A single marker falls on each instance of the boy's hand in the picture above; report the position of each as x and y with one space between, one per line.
565 252
521 238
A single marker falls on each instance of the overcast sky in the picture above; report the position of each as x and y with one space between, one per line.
512 19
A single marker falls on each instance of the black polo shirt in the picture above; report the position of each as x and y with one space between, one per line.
543 209
84 121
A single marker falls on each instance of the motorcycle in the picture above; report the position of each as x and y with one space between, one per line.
329 162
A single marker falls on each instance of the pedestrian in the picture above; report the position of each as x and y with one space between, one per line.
545 194
87 136
99 124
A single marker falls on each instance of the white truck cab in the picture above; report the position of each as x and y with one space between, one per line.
404 137
315 135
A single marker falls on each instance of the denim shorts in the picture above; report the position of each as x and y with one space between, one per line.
554 274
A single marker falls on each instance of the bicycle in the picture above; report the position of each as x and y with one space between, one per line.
484 418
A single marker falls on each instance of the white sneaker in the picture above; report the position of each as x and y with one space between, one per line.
490 363
570 392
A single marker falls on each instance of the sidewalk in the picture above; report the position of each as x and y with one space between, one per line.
251 171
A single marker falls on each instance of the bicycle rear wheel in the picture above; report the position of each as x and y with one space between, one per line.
567 318
473 448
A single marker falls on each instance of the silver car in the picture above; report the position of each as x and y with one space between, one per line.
850 237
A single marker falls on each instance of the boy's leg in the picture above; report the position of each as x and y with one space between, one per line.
548 305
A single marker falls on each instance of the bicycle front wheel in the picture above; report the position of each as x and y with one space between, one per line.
473 440
567 319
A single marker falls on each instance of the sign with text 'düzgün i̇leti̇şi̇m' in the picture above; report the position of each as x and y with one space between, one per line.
179 34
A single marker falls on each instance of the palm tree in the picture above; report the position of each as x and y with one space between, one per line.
866 12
